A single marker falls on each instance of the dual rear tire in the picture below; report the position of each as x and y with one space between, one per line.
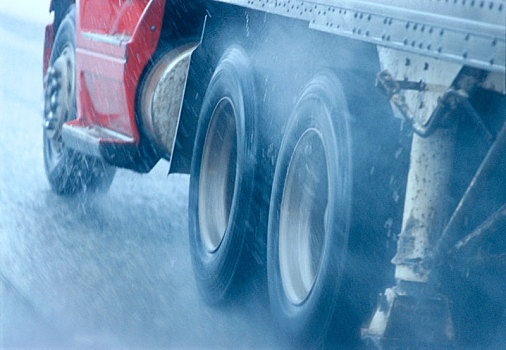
310 207
310 212
221 212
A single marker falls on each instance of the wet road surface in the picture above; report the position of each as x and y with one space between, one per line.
113 271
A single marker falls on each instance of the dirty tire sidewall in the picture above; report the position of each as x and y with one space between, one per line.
219 274
321 107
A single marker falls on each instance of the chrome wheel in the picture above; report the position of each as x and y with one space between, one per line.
59 99
217 175
222 221
303 216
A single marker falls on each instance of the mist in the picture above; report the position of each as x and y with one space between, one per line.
114 270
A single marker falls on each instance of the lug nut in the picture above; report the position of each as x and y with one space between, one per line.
52 101
49 125
53 85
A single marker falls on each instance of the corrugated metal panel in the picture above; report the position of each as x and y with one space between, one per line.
469 32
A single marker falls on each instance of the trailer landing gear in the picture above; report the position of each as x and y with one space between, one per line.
413 314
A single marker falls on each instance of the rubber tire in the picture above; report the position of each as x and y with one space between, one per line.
74 172
220 274
322 106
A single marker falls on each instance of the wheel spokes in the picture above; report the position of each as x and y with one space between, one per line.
59 99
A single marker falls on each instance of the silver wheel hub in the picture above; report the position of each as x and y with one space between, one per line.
59 98
303 217
217 175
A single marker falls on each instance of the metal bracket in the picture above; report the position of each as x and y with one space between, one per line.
392 89
450 101
389 86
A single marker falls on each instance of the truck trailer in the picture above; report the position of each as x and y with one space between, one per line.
348 156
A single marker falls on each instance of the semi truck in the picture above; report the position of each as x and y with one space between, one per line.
347 156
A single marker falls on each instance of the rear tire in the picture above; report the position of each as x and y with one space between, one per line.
327 246
222 215
310 208
68 171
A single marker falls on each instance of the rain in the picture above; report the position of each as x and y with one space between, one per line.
118 268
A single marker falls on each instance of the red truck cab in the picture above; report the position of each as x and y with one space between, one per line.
115 41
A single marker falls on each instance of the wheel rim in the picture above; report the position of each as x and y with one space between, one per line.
217 175
59 100
303 216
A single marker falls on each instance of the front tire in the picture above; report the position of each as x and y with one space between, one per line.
68 171
222 216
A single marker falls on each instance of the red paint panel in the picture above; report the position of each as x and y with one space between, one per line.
102 99
48 47
97 63
111 16
106 49
129 17
108 109
108 73
140 49
98 16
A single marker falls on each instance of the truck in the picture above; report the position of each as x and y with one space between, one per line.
346 157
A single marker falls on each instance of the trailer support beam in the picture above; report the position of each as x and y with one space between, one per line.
413 314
